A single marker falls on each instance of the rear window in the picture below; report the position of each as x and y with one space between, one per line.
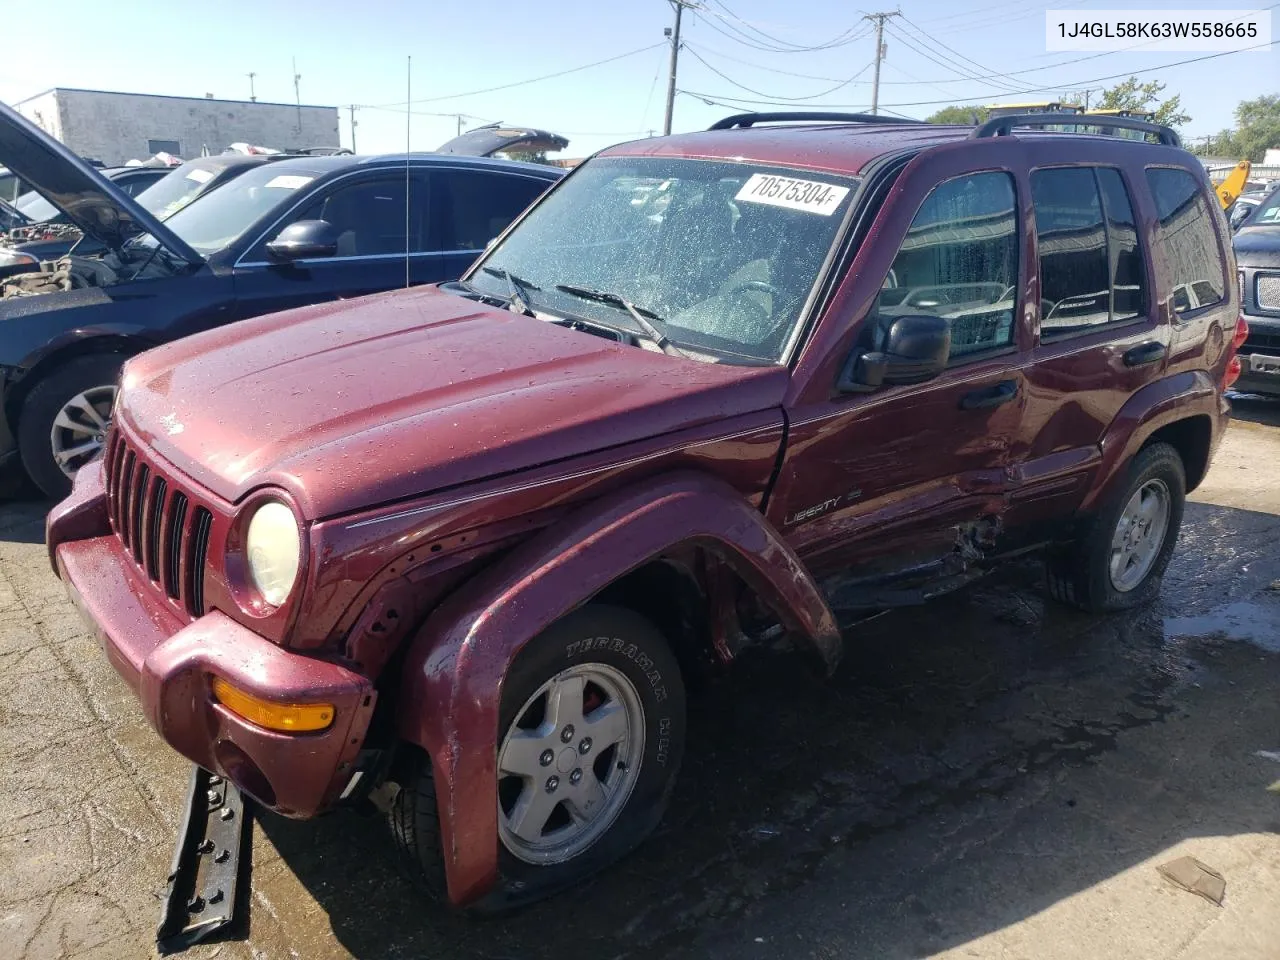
1188 238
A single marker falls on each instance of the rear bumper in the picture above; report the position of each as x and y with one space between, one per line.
170 664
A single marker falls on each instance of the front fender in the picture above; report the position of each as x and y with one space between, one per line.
1158 404
452 681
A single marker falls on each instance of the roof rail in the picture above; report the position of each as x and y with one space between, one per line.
786 116
1003 126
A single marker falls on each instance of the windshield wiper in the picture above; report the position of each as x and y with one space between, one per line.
519 289
639 314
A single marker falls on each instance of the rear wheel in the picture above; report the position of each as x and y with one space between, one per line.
591 734
1119 561
64 420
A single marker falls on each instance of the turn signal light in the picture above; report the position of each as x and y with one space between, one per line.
285 717
1241 334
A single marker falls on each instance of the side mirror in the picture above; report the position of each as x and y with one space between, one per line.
304 240
915 350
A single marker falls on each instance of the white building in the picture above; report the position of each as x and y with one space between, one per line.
118 127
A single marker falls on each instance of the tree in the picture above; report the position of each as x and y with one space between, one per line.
1258 127
959 115
1145 98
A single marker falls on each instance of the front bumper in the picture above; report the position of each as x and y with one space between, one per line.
170 663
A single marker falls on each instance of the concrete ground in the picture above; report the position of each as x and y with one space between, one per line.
991 776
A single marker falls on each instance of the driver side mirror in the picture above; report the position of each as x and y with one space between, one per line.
304 240
916 349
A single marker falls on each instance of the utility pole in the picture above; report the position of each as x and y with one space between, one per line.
879 19
674 34
297 92
459 124
252 97
352 108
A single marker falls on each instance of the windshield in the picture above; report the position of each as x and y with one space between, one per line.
221 217
722 256
37 208
1268 211
175 190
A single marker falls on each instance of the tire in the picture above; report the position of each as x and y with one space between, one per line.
625 665
94 376
1083 574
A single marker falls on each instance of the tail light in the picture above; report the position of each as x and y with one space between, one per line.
1234 366
1241 334
1234 369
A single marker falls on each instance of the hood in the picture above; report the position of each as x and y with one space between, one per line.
494 138
1257 246
354 404
89 200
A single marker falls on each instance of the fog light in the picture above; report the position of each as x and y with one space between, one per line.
286 717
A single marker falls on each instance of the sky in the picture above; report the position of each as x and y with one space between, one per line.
938 52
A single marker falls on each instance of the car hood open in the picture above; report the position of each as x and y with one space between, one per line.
356 404
90 201
494 138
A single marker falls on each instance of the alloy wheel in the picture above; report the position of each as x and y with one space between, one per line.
1139 535
80 429
568 763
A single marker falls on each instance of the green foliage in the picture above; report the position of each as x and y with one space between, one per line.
1257 129
1144 98
959 115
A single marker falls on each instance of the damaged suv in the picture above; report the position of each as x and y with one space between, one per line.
285 233
458 549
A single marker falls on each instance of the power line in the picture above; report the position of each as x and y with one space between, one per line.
717 97
961 72
837 41
521 83
938 44
742 86
727 29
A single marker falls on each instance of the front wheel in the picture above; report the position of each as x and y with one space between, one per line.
1120 560
64 420
592 731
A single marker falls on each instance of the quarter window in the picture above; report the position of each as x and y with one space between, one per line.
1188 239
477 206
959 260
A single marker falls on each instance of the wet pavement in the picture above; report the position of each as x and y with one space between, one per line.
988 776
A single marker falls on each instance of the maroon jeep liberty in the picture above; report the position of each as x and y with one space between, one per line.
457 549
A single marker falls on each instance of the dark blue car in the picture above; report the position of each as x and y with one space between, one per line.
284 234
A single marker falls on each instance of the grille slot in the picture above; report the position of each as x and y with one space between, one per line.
155 511
173 552
137 506
1268 291
1258 340
122 498
201 527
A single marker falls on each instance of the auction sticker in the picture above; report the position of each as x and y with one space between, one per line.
200 176
807 195
288 181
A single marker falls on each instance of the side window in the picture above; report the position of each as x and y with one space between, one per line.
370 216
1128 273
1187 237
1075 270
959 260
476 206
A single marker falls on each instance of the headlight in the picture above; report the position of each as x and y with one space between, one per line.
12 258
274 550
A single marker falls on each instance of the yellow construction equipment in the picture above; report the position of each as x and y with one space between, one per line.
1233 185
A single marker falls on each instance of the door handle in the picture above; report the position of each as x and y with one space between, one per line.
992 396
1144 353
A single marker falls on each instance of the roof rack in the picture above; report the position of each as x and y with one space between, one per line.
1003 126
785 116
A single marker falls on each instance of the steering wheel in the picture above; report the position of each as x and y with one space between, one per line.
752 286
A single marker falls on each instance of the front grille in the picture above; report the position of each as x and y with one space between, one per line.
1268 291
159 530
1258 340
